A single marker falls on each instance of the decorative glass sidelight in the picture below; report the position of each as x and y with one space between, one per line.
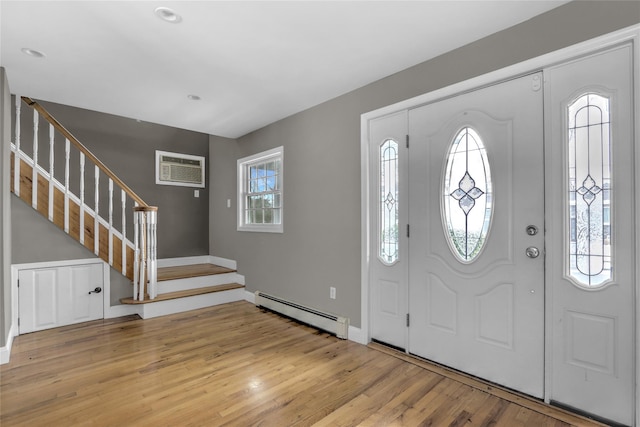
589 201
388 203
467 195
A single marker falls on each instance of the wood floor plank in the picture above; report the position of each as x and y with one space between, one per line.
233 365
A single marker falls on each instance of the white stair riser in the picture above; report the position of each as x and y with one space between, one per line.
201 259
198 282
179 305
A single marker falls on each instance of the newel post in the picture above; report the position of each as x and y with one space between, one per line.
145 269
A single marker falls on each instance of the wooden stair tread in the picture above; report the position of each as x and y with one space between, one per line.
192 270
185 293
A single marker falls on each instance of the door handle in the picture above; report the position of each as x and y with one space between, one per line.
97 290
532 252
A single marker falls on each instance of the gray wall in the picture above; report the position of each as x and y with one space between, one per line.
320 246
222 178
5 208
127 147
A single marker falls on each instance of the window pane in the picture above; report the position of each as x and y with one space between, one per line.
590 190
262 185
276 216
271 183
267 216
257 216
467 195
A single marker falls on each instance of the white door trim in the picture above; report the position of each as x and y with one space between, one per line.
636 124
630 34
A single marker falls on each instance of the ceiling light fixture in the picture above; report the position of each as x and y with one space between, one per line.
33 53
194 97
168 15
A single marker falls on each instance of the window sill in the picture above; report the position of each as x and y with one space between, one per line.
277 228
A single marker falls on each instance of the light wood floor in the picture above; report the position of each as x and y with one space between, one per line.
234 365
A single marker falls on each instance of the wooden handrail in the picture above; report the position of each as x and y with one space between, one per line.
44 113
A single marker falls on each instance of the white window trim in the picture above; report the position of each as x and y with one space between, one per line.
242 168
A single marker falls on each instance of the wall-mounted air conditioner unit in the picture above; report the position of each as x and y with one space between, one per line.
179 169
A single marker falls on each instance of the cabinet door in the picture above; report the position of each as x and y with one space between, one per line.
58 296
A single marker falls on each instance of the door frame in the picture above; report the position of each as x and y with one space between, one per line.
627 35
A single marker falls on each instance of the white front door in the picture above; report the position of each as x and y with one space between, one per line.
387 236
476 267
58 296
591 256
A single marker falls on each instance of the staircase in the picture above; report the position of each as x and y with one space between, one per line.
159 286
183 287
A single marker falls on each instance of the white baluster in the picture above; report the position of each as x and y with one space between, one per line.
142 275
67 157
110 222
136 254
148 216
34 176
17 156
51 169
96 222
146 267
124 233
153 266
82 198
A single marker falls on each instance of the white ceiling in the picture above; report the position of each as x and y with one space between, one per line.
252 63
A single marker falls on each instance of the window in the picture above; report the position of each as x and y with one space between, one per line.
590 190
260 192
388 202
467 196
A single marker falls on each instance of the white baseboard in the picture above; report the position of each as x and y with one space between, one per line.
174 262
223 262
121 311
249 297
356 335
5 352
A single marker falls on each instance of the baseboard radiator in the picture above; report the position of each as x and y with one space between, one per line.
326 321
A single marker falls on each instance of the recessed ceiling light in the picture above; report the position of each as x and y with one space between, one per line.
168 15
193 97
33 53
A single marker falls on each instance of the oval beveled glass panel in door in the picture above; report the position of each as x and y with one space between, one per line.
467 195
